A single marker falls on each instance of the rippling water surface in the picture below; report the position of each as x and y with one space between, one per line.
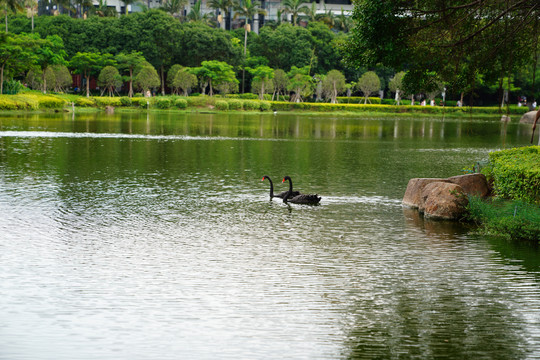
153 237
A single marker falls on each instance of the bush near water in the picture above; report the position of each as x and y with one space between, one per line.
514 211
249 102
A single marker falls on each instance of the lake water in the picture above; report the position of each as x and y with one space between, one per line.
151 236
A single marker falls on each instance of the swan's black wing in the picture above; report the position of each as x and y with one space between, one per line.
282 194
309 199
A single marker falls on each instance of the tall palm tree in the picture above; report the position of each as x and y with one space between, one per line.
196 14
223 6
295 7
247 9
312 12
10 5
31 10
130 2
343 22
174 7
328 18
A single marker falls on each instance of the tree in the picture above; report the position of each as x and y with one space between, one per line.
109 78
171 74
196 14
62 77
295 7
284 46
51 52
368 84
129 2
16 55
174 7
222 6
396 86
128 62
147 78
49 79
333 84
215 73
184 80
491 37
11 5
280 82
247 9
86 64
300 83
262 76
31 10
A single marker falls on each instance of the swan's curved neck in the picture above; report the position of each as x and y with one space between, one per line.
271 188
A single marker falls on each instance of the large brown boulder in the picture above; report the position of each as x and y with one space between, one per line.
413 193
528 117
442 200
472 184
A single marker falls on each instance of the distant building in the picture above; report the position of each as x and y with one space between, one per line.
272 7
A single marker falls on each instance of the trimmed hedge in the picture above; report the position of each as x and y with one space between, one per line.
357 100
84 102
515 173
163 103
181 103
222 105
235 104
102 101
31 102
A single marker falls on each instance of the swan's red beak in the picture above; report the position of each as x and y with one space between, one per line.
262 179
283 180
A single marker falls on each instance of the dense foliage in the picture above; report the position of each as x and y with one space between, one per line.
516 173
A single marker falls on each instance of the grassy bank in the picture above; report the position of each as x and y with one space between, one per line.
38 101
514 211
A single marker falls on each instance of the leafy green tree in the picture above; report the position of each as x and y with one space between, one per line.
171 74
295 7
440 36
280 82
86 64
284 46
333 84
17 53
262 76
62 77
396 86
128 62
51 52
147 78
49 79
109 78
184 80
300 83
215 73
368 84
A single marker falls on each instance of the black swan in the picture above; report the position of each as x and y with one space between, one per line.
280 195
308 199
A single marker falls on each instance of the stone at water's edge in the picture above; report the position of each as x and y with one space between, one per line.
413 193
472 184
528 117
442 200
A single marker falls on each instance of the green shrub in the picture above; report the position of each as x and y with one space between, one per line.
13 87
51 102
222 105
515 173
102 101
7 104
138 95
201 101
357 100
516 220
84 102
264 106
235 104
126 101
142 102
163 103
251 105
181 103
